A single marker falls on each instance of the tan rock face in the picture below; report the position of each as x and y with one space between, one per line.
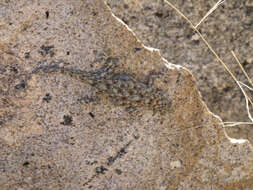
227 28
59 133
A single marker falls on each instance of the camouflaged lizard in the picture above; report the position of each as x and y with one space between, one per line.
121 88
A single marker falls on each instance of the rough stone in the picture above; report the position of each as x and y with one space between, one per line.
227 28
57 133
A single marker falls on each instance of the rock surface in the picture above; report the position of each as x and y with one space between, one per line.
57 133
228 28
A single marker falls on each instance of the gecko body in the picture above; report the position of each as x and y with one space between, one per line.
121 88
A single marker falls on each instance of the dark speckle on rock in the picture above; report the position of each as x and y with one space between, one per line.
47 50
26 163
125 21
136 137
94 13
47 98
118 171
159 14
27 55
125 6
110 160
195 42
47 14
86 99
13 69
67 120
91 114
137 49
101 170
119 154
90 162
20 85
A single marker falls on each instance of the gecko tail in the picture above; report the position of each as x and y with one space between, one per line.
75 74
47 69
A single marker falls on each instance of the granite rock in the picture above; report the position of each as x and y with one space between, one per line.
228 28
58 133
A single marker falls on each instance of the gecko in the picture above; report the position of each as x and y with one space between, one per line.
121 88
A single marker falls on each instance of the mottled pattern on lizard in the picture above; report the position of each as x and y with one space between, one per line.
121 88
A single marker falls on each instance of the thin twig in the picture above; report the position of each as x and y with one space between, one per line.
245 73
210 11
205 41
240 84
232 124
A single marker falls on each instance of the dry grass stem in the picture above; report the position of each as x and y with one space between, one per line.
204 40
233 124
240 84
210 12
243 70
245 73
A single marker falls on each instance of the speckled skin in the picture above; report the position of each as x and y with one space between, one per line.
122 89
